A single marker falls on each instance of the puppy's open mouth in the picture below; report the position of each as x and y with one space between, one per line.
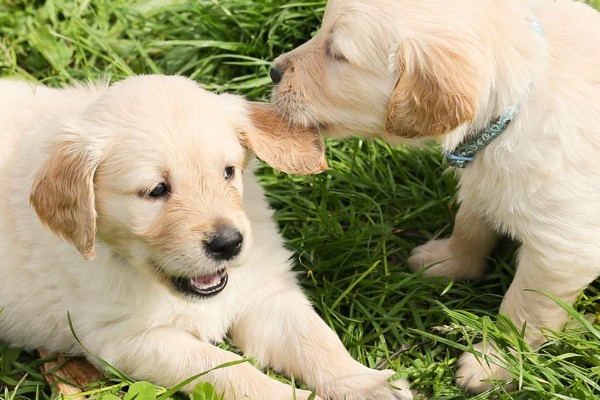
203 285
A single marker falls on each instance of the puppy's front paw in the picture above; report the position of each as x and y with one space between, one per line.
477 373
443 260
370 384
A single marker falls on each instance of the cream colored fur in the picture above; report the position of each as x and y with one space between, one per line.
442 70
87 157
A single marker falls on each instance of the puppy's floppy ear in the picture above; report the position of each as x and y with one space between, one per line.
289 148
63 194
438 90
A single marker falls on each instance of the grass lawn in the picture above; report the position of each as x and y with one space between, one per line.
352 227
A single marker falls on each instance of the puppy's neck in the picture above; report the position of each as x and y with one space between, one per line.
510 92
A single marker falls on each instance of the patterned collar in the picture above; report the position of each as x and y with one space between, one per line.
465 152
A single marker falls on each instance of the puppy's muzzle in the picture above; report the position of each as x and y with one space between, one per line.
225 244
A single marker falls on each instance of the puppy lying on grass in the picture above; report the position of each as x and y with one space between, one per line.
132 212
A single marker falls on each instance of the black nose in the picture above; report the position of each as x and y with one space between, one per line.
276 75
225 244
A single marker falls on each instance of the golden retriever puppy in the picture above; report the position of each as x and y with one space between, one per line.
127 211
510 89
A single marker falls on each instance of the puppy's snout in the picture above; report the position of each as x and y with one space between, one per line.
225 244
276 74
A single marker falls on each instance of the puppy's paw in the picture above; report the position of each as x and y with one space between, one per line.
477 374
441 259
370 385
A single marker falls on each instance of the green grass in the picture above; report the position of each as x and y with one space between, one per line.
352 227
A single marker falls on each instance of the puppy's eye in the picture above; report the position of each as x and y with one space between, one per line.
160 190
229 173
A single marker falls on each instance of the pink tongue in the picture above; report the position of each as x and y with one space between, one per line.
206 281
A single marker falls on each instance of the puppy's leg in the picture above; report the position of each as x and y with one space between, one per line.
564 274
168 356
463 255
281 329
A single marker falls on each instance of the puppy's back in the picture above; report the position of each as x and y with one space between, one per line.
26 105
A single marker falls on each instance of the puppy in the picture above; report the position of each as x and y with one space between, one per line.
510 90
127 212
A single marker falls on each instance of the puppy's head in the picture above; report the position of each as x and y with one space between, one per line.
153 169
382 67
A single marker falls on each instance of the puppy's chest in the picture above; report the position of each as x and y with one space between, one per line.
507 201
207 319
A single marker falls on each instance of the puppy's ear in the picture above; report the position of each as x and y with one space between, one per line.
63 194
286 147
436 92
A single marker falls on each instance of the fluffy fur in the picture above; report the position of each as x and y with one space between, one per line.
139 178
444 69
